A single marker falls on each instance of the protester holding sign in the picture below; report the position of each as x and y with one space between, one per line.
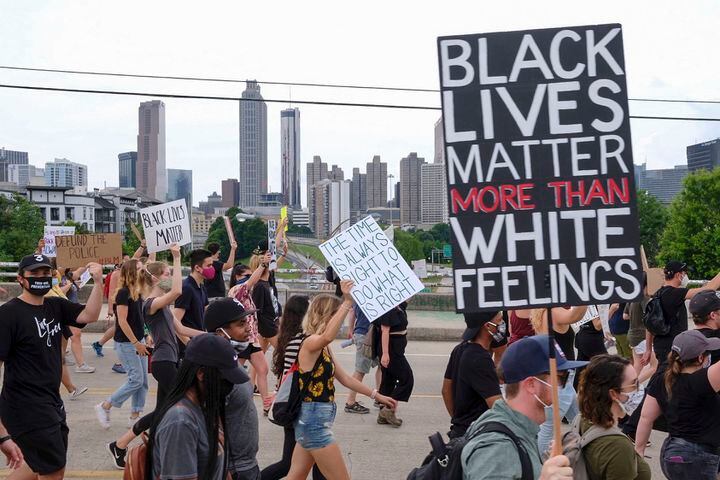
216 287
397 379
265 297
32 415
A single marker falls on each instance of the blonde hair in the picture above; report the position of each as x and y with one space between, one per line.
156 269
321 310
537 319
132 278
255 262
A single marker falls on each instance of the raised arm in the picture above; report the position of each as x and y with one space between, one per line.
169 298
713 284
231 256
258 273
315 343
141 249
91 312
562 316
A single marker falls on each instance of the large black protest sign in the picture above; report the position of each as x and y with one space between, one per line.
540 168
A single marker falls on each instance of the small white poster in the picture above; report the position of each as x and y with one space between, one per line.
420 268
50 249
364 254
591 314
166 224
272 231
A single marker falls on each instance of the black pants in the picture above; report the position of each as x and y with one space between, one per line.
164 372
397 379
279 470
588 343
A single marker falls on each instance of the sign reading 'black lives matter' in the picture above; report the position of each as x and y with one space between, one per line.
539 168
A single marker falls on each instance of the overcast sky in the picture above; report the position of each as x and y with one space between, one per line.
670 52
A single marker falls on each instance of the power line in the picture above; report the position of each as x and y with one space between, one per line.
298 84
302 102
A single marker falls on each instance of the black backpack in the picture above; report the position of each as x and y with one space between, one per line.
653 316
445 460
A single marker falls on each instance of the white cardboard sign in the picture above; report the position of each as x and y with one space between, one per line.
272 231
364 254
591 314
166 224
50 249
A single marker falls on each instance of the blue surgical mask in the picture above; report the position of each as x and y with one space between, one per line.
55 282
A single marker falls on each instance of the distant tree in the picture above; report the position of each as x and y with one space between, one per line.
298 230
693 227
409 246
653 217
80 229
21 227
247 234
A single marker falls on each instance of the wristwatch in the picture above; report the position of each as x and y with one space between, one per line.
5 439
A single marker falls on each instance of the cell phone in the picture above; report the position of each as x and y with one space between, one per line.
149 350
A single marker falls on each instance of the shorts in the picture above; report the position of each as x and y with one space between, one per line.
252 348
45 449
362 363
267 329
312 427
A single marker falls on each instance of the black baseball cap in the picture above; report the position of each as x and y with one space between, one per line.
705 302
529 356
33 262
262 247
475 321
210 350
223 311
673 267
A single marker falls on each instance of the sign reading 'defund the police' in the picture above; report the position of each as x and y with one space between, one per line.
540 168
166 224
365 255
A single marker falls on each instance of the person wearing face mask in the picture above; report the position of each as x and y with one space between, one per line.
216 285
492 455
33 432
471 384
190 305
606 391
687 395
397 376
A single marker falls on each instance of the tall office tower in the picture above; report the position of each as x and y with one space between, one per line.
704 155
396 199
433 190
358 195
180 186
331 212
10 157
23 175
663 184
439 142
290 156
336 173
151 174
377 178
127 163
253 146
230 193
316 170
410 181
64 173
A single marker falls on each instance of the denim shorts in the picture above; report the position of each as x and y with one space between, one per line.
362 363
312 427
680 459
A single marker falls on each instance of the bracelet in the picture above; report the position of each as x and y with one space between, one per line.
136 342
5 439
373 394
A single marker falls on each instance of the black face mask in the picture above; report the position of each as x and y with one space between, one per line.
38 286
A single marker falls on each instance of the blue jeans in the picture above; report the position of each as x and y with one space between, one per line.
680 460
312 427
568 409
136 385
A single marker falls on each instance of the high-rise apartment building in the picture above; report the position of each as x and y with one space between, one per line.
253 146
664 184
410 182
331 207
180 186
358 195
316 170
439 156
64 173
704 155
336 173
377 179
290 156
433 190
127 163
24 174
10 157
230 193
151 174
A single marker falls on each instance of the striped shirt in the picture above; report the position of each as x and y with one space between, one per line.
291 351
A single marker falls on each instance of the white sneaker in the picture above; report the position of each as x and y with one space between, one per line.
78 391
84 368
103 416
69 361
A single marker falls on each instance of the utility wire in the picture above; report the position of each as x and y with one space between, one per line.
302 102
299 84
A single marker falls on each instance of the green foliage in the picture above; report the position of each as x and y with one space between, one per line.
653 217
693 226
80 229
409 246
22 227
297 230
247 234
130 241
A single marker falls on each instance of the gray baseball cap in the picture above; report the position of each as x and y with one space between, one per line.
692 344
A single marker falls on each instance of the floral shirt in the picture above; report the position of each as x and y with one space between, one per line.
320 380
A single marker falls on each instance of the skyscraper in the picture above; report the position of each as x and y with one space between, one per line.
64 173
230 193
127 163
180 186
439 142
433 189
664 184
290 156
377 194
150 174
331 212
704 155
410 182
23 175
336 173
253 146
316 170
358 195
10 157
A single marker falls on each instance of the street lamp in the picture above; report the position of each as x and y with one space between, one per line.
241 217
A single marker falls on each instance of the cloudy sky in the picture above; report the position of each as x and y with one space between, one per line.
670 53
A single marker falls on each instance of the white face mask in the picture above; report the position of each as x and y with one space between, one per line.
538 398
684 282
633 401
708 361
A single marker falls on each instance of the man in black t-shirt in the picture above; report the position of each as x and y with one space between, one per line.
672 298
190 305
705 311
471 384
216 286
32 415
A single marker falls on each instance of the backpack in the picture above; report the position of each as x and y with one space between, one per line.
653 317
574 443
135 461
445 460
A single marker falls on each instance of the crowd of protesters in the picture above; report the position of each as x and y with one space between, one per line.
208 358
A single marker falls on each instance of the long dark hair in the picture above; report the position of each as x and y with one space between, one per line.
675 366
290 325
212 402
604 373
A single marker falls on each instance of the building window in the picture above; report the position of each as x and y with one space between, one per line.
84 213
68 213
43 213
54 214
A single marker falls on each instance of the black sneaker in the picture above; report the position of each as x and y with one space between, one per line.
118 455
356 408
